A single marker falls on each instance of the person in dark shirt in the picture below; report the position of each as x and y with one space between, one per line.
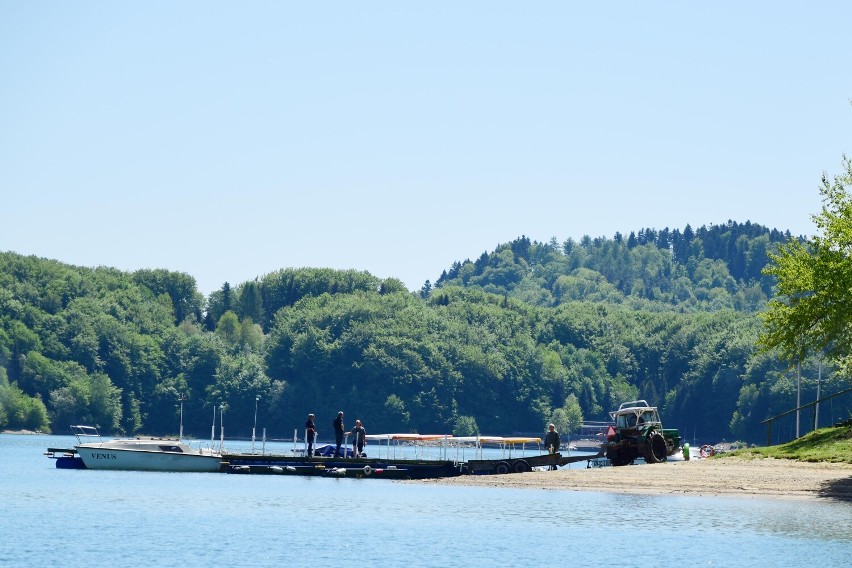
310 434
359 434
337 424
551 441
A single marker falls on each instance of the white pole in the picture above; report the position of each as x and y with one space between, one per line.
798 395
816 412
221 426
213 428
263 450
254 428
180 434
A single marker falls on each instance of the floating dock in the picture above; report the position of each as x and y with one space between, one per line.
390 468
341 467
511 459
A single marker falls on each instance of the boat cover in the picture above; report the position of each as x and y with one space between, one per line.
327 451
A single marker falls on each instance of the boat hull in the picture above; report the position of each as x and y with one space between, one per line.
143 460
69 462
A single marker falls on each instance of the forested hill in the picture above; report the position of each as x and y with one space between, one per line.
536 333
712 268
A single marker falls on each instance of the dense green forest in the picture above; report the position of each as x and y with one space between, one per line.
526 334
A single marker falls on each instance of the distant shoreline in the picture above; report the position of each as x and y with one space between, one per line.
728 477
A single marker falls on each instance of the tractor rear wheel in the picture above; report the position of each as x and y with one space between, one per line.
655 448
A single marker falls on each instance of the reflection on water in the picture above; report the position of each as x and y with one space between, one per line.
100 518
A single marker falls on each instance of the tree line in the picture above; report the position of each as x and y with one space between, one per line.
527 334
712 268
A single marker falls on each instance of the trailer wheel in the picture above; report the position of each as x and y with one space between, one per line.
521 466
501 468
617 458
655 448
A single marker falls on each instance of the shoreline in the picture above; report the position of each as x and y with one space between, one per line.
726 476
719 477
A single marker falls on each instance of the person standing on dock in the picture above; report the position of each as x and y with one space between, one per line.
310 434
360 436
338 433
551 441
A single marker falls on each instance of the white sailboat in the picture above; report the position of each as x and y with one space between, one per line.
143 454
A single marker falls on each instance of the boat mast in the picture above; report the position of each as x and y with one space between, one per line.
213 428
180 433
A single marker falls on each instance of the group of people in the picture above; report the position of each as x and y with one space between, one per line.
358 432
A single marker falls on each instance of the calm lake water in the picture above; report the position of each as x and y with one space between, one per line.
85 518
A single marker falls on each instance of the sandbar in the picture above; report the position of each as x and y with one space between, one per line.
726 476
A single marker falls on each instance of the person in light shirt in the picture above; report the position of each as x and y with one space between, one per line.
551 440
359 434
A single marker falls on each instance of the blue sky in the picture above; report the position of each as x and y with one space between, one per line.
229 140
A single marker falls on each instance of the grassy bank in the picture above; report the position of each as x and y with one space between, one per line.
823 445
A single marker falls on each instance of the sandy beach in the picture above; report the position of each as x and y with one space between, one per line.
758 478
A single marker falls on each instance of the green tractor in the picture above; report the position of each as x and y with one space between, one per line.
638 432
